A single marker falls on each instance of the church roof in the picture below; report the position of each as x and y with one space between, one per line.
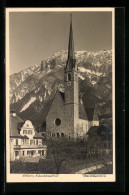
82 113
91 114
62 95
15 125
95 116
71 54
46 109
85 114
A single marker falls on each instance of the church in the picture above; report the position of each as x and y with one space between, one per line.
67 116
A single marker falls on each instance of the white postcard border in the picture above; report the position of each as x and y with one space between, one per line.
13 178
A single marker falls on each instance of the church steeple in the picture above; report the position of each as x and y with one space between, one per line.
71 61
71 54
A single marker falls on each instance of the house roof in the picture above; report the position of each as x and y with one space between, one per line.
96 130
93 130
14 125
37 135
104 127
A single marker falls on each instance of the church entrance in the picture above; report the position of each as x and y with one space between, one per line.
62 134
58 135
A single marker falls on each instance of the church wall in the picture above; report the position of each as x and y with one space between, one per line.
67 112
93 123
71 100
81 128
69 117
90 123
96 123
71 88
58 110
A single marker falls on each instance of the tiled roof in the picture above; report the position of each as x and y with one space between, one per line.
89 113
14 121
97 130
93 130
37 135
62 95
82 113
46 109
15 124
95 116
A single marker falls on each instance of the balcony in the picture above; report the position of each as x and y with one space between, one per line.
29 146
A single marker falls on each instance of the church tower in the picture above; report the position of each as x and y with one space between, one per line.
71 87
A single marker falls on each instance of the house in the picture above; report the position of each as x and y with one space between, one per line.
25 143
65 114
100 136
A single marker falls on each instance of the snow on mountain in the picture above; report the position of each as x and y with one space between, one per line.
33 87
81 69
28 104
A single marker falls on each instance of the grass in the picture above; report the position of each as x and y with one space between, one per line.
63 157
47 166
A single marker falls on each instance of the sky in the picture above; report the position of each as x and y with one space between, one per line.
35 36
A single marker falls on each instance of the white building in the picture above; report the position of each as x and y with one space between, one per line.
25 143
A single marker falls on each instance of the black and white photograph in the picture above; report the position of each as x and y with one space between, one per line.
60 94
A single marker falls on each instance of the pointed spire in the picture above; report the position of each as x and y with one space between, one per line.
71 61
71 42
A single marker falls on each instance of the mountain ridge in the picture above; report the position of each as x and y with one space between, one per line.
32 88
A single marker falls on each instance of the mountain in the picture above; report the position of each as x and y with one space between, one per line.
32 90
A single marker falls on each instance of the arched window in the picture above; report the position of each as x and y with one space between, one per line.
69 135
62 134
53 134
69 77
58 135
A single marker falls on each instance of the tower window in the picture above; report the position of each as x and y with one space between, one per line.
57 121
58 135
69 77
